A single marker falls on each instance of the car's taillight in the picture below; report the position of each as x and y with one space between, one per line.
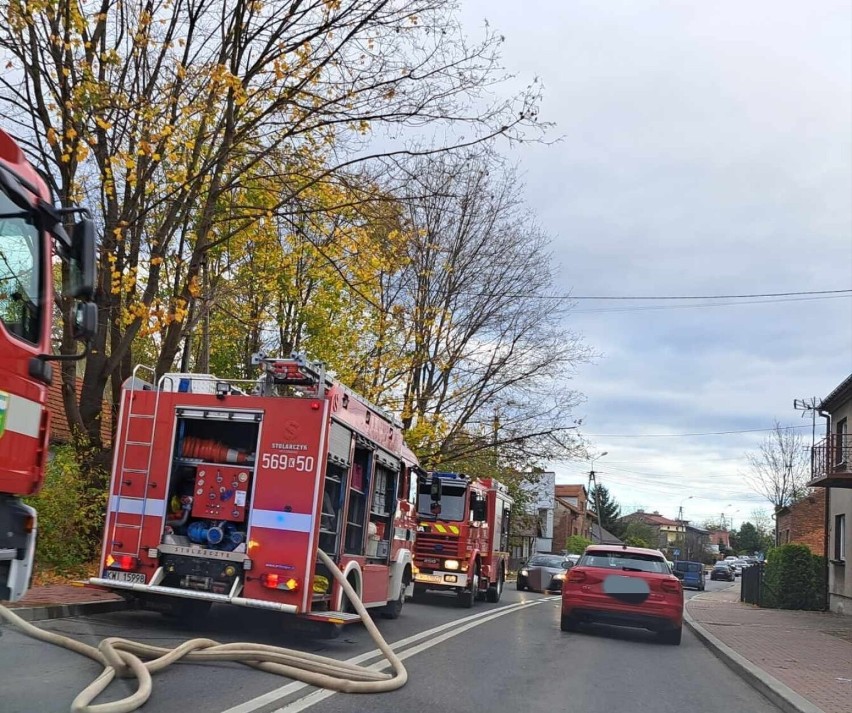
671 585
576 576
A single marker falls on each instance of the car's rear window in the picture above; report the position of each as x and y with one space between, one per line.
629 561
688 566
546 562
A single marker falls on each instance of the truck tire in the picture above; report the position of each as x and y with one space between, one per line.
393 609
468 596
496 590
419 591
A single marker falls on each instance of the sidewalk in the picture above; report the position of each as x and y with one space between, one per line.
801 660
54 601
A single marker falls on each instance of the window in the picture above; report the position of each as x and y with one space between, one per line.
20 272
627 561
842 447
840 538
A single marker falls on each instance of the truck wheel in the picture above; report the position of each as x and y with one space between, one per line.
468 596
419 591
496 591
393 609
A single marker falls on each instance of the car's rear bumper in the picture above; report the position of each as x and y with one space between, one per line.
654 615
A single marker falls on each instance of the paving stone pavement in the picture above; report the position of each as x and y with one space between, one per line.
811 652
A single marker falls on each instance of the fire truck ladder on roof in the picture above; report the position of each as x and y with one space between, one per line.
124 536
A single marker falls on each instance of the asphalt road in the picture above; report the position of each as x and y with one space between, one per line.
505 657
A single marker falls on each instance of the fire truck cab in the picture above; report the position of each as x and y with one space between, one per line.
462 536
29 227
222 492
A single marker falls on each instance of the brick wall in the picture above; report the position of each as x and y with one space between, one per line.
60 432
804 523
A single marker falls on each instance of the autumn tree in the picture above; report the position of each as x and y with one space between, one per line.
164 116
478 352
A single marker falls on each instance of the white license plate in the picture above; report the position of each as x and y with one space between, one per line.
134 577
431 578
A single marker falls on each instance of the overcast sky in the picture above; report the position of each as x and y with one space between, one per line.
705 150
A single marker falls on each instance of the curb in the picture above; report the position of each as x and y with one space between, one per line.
777 692
61 611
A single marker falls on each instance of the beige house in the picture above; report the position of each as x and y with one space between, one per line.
832 469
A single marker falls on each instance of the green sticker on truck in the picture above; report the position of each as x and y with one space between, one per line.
4 406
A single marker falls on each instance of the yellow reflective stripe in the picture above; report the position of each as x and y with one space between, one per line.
454 529
440 528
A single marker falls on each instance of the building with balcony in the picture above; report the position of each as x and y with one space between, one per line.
832 469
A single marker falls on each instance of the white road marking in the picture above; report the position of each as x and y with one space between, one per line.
464 624
320 695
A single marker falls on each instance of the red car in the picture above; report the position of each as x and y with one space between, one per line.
625 586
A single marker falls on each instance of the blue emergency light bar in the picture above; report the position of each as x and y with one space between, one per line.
450 476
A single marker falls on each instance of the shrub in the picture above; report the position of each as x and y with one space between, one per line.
793 578
71 515
576 544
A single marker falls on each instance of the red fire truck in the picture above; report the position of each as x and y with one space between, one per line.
223 491
29 225
462 537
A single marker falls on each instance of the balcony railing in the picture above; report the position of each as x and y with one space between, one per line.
832 462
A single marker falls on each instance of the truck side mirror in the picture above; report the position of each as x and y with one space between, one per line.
435 489
82 261
478 509
85 321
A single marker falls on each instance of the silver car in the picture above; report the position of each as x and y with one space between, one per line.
544 573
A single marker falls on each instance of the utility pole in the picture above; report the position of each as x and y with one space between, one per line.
593 482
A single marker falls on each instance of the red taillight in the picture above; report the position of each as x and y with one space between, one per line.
275 581
125 563
269 580
576 576
671 585
29 524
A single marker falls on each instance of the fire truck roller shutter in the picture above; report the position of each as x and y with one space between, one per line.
339 444
387 460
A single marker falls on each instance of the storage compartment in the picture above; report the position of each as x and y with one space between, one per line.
212 479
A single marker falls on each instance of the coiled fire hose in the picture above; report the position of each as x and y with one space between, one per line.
125 659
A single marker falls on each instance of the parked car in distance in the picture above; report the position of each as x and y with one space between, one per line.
544 572
724 571
624 586
738 566
691 574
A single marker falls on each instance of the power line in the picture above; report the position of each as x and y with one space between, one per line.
706 305
817 294
711 297
681 435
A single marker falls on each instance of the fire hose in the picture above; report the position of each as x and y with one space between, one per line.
127 659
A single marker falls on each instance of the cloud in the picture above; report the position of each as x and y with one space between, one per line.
705 149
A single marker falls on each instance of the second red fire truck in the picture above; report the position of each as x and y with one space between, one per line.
462 536
224 492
